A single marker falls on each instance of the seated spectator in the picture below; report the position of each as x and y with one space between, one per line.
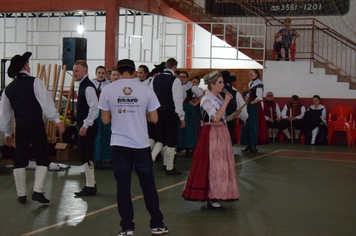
287 39
292 113
314 123
272 115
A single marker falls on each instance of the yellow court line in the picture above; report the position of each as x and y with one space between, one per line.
133 199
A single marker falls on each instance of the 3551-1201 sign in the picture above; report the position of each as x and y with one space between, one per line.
277 7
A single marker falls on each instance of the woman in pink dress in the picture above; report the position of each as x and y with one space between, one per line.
212 177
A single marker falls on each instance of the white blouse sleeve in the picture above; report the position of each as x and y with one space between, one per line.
209 108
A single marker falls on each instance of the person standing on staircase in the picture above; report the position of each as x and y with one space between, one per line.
28 97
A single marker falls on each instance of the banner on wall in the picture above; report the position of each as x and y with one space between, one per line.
242 8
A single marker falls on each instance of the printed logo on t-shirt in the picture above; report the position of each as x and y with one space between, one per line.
127 90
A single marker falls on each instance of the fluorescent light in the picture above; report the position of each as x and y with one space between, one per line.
80 28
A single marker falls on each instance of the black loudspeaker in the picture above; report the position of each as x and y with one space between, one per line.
73 49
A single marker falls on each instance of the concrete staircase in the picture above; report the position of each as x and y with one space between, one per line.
330 70
225 32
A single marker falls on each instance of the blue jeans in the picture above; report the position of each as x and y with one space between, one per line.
124 159
277 48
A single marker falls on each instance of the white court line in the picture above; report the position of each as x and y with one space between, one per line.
133 199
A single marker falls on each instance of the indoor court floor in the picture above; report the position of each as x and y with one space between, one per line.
285 189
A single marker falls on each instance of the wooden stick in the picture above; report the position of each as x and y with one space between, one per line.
48 77
40 76
38 69
54 92
68 104
55 83
69 97
61 89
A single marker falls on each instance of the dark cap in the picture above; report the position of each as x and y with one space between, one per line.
17 62
161 67
126 63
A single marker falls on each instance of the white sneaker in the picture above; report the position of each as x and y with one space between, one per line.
159 230
126 232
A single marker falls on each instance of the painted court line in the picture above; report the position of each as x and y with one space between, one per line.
315 155
133 199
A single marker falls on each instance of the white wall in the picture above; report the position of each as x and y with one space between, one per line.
285 78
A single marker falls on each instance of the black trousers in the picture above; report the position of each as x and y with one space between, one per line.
167 132
31 141
274 125
284 124
86 144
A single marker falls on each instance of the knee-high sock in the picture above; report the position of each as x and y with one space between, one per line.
165 154
20 181
171 152
40 175
296 133
270 132
156 149
275 132
314 133
89 174
152 143
286 132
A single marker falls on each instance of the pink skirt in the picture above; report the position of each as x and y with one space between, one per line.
213 174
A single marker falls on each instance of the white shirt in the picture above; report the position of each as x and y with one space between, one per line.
92 100
259 91
43 97
197 92
128 100
285 110
177 91
240 102
102 84
278 111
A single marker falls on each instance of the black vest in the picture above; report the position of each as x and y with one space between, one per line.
231 107
82 105
189 95
23 100
162 85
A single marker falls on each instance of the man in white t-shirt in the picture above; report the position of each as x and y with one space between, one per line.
128 104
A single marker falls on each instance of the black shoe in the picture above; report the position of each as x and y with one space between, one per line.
22 199
173 172
296 140
254 150
39 197
210 206
164 168
248 148
87 191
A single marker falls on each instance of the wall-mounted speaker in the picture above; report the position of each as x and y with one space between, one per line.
73 49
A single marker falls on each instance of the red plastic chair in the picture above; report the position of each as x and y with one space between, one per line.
281 136
291 49
340 119
353 134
